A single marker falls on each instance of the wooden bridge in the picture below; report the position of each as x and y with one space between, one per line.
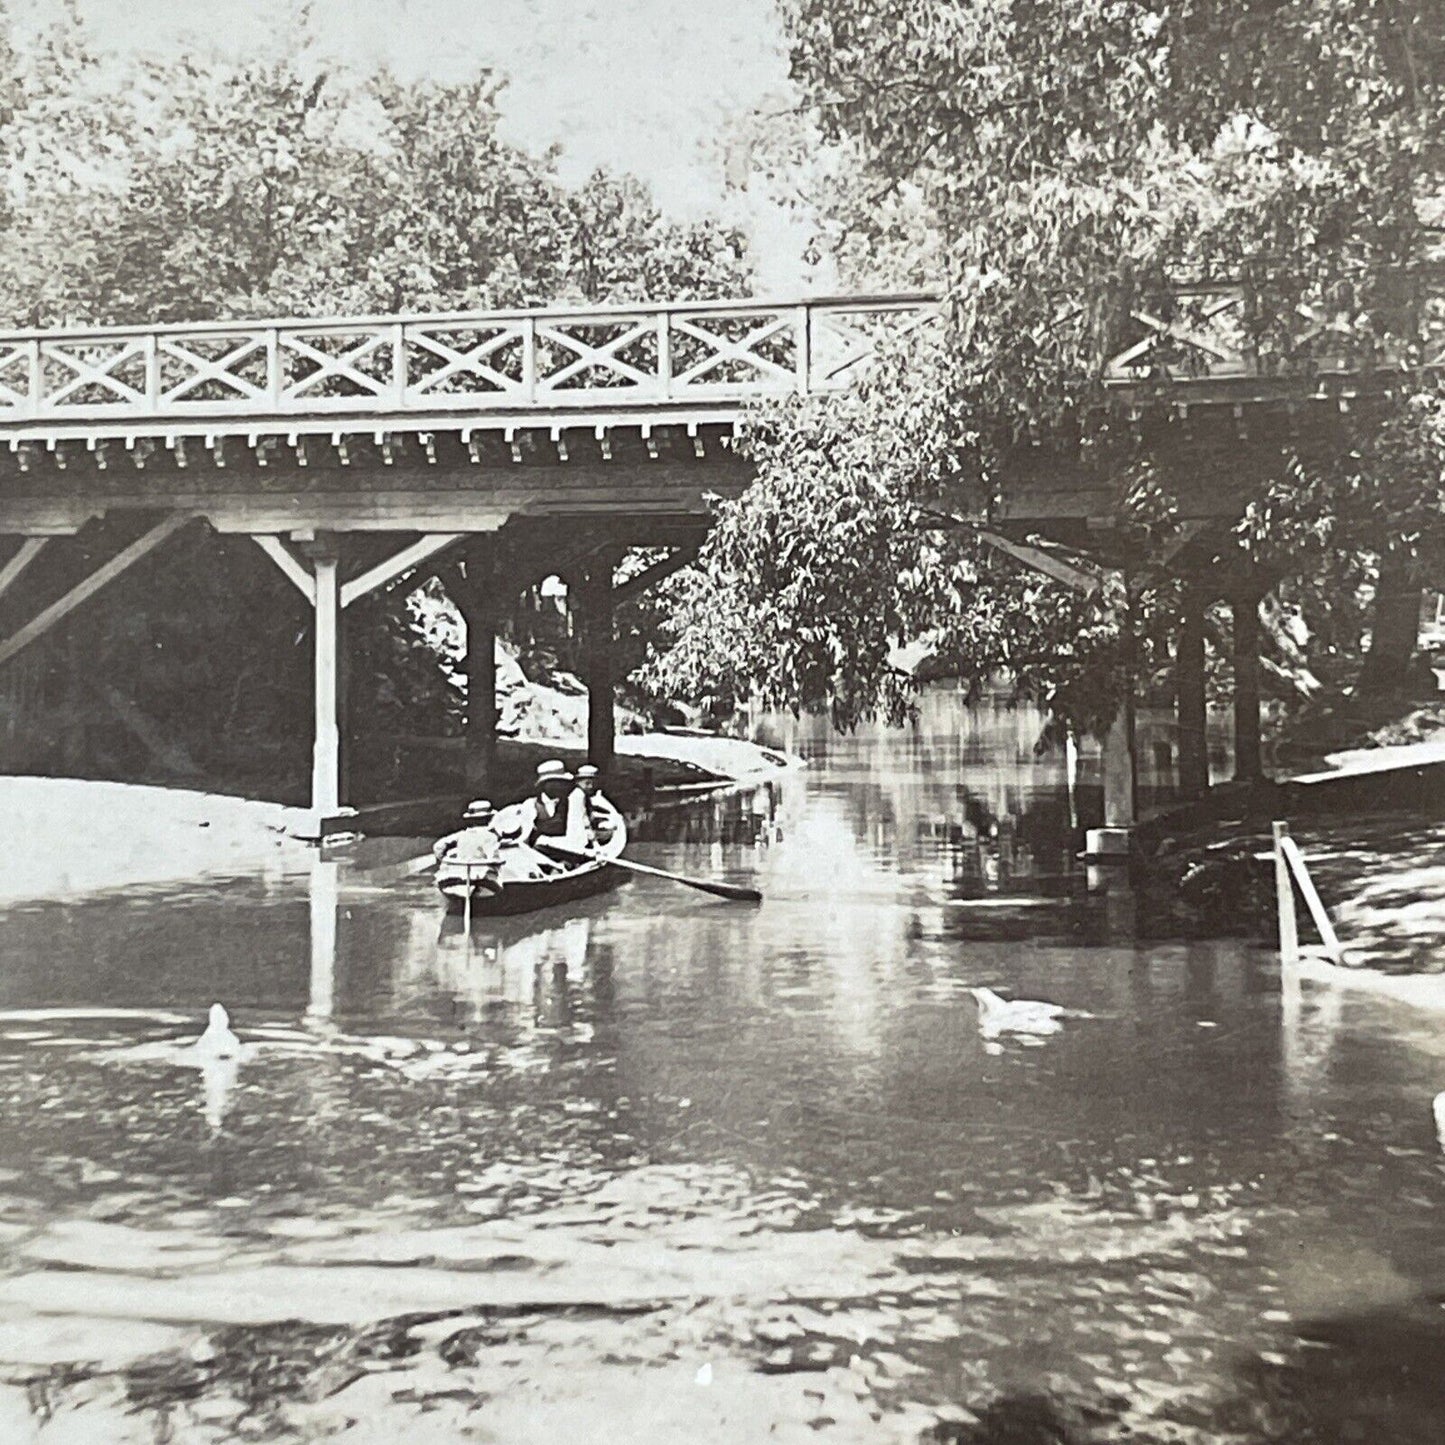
533 442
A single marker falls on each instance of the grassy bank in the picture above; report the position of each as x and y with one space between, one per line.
67 836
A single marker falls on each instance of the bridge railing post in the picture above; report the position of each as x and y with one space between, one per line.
398 363
803 340
150 353
275 379
529 357
664 354
36 375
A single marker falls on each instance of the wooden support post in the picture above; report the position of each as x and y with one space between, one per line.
1189 697
594 596
1121 764
1248 758
475 588
1119 798
326 744
1284 896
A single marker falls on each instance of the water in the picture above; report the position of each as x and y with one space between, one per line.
666 1168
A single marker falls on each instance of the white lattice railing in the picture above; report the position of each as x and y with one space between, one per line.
514 361
1202 333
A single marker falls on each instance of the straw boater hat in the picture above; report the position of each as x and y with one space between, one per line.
553 771
480 808
586 771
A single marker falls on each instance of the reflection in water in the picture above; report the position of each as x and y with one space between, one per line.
323 898
542 1177
219 1077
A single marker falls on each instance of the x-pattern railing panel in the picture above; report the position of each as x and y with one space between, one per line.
192 370
711 353
1204 334
720 352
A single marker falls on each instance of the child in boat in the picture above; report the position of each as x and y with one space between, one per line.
477 843
597 818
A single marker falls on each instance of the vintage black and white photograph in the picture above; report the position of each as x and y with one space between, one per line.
722 723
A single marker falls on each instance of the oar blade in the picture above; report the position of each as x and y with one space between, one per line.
733 892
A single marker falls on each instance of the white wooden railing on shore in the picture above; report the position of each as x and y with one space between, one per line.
1291 871
550 360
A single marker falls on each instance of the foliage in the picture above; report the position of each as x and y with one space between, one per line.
192 189
1059 161
844 549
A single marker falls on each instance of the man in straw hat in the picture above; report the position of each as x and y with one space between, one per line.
545 815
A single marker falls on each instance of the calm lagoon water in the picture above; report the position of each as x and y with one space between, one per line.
666 1168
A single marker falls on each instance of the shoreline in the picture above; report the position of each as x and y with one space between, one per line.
64 838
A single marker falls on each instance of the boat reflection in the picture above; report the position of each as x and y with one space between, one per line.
512 966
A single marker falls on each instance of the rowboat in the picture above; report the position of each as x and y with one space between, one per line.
493 892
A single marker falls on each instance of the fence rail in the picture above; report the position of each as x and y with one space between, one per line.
475 362
1291 871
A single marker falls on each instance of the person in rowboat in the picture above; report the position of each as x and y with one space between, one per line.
598 818
545 815
477 842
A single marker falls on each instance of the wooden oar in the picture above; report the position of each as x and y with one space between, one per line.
733 891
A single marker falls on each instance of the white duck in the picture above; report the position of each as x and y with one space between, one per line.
218 1042
1439 1107
998 1015
218 1054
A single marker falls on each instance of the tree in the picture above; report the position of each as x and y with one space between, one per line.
1060 161
195 189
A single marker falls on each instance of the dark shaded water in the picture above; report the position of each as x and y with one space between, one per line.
668 1168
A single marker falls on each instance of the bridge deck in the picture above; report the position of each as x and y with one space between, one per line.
695 362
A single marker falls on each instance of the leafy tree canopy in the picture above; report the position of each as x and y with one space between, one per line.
191 189
1053 163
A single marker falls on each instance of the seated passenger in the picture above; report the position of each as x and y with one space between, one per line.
475 843
597 814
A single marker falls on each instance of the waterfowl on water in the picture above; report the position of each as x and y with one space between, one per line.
218 1042
999 1015
1439 1107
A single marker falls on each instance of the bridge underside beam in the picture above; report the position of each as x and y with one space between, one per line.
659 571
396 566
106 573
292 568
19 560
